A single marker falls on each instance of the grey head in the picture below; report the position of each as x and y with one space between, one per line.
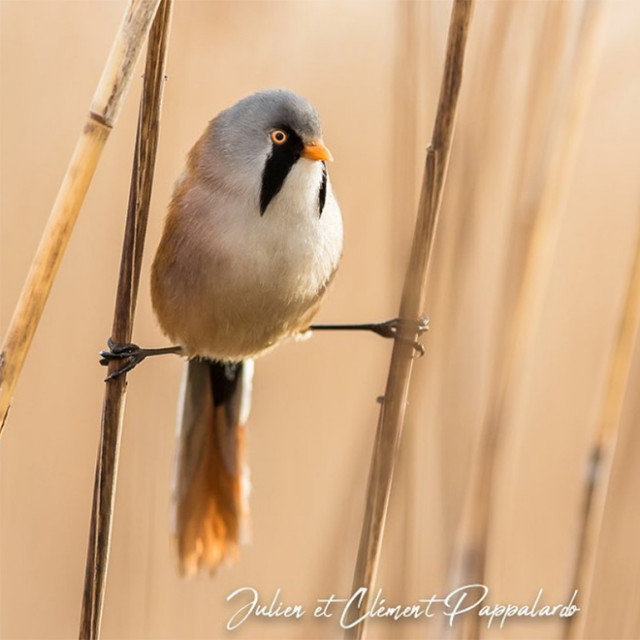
253 144
242 127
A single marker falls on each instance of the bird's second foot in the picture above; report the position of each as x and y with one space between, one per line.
397 328
401 329
131 355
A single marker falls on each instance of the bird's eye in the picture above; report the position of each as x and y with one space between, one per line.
279 136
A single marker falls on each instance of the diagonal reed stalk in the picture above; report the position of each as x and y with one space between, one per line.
126 296
387 438
103 113
603 449
470 554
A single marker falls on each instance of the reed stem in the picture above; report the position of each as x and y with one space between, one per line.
104 110
604 448
469 564
387 438
126 296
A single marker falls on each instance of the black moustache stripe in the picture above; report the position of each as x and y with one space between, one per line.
322 195
277 167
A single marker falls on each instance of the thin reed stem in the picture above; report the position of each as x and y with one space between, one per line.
393 408
604 448
103 113
470 553
126 296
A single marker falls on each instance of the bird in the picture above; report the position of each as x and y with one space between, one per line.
251 241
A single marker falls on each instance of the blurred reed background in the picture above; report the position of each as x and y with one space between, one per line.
530 358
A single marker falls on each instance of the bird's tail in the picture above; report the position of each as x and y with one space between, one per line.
211 478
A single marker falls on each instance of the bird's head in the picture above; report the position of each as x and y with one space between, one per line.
258 140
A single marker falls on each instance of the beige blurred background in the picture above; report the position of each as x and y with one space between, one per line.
548 129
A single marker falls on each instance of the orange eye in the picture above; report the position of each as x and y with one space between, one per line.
279 136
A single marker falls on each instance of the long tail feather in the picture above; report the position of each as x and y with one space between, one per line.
211 479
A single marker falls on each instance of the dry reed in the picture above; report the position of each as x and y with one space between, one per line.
470 554
393 408
103 114
126 296
604 446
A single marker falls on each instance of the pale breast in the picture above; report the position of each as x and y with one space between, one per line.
247 281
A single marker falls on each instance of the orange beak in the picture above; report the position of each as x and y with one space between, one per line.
316 151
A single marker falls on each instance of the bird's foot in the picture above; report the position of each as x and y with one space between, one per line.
131 354
401 328
397 328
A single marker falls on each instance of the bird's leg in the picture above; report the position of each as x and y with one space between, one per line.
398 328
131 354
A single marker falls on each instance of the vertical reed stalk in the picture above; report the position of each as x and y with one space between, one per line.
604 448
470 555
393 408
103 113
126 296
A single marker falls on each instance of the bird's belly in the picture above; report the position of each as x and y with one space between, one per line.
257 290
243 282
256 304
